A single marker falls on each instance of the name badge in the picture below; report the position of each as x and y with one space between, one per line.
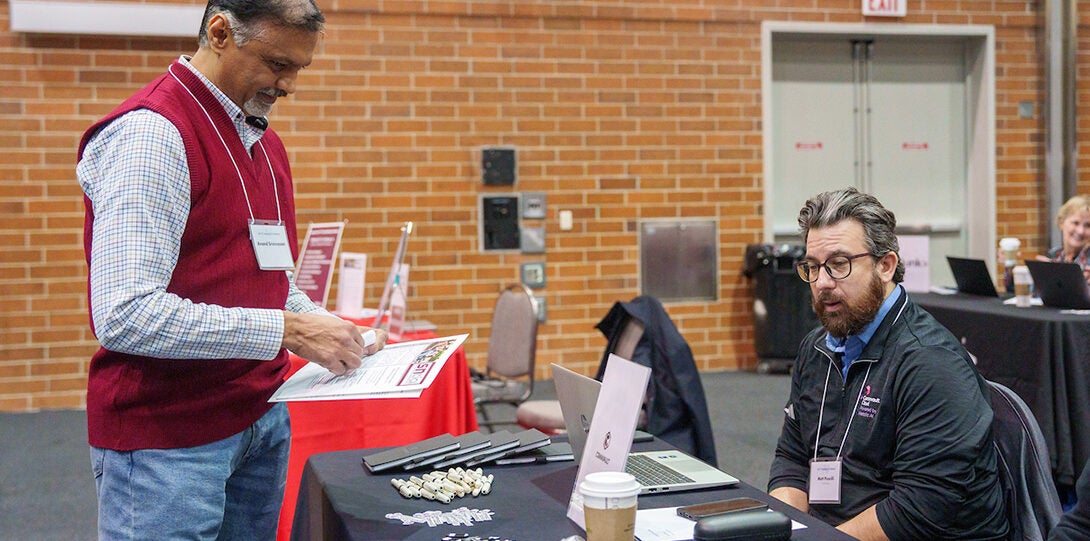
825 480
270 240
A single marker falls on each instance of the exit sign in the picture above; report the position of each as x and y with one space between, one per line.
885 8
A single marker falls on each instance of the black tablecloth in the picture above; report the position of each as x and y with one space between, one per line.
1041 353
340 500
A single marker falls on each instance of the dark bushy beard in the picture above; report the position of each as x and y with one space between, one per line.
854 315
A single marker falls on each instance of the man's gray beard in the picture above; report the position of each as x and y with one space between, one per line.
255 107
857 314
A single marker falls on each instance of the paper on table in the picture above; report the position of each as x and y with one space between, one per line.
664 524
1033 301
399 370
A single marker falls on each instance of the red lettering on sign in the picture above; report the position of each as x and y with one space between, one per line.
883 7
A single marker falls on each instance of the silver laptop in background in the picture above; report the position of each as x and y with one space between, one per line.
656 471
577 395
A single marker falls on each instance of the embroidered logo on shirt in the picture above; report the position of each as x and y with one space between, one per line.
868 405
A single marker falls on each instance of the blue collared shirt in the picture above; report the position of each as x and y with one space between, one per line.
851 347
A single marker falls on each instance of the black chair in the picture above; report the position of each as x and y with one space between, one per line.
1025 472
512 349
676 409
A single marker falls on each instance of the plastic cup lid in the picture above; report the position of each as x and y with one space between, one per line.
609 484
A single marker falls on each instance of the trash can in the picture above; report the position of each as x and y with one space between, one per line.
782 313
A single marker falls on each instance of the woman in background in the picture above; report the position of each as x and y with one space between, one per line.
1073 219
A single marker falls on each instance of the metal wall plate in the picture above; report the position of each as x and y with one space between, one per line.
533 274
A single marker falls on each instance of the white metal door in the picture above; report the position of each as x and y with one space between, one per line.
917 141
813 126
885 115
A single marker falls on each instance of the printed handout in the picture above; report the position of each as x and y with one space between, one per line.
399 370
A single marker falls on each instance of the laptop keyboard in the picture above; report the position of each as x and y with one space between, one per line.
650 473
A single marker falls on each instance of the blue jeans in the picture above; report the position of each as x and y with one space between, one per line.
228 489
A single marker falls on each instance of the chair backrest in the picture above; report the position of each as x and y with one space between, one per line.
512 345
630 336
1033 505
676 409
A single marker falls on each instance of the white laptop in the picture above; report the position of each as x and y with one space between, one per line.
656 471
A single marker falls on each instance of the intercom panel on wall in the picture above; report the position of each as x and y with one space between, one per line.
499 222
498 166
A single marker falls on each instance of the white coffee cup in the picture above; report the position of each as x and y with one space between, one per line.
1023 284
1010 246
609 505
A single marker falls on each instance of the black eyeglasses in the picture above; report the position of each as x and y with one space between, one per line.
838 267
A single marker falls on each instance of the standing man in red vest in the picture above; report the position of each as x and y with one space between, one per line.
189 235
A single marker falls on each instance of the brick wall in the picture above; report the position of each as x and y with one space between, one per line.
620 111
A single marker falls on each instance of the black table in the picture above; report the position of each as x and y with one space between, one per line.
340 500
1042 354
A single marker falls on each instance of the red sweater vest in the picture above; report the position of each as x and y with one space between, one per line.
136 402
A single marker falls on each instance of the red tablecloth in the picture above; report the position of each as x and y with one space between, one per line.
336 425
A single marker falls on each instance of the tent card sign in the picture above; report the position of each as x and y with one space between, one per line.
612 427
915 253
350 284
314 270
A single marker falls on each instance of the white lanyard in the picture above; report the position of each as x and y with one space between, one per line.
821 412
825 473
270 239
238 171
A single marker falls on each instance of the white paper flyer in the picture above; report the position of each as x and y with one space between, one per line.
398 370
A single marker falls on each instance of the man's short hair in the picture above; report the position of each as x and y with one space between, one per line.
830 208
247 16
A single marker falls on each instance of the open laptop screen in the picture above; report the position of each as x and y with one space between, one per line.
972 276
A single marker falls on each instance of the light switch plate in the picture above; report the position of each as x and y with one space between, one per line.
565 220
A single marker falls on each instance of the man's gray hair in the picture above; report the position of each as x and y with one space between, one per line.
879 223
247 17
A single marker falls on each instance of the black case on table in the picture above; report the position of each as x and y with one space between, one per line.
750 525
